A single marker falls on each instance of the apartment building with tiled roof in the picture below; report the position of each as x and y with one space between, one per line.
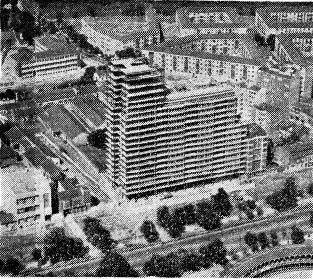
208 20
284 20
111 35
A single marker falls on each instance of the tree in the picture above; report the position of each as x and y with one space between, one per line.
251 204
207 216
163 216
176 224
2 265
259 211
271 41
149 231
249 214
98 138
251 240
190 213
161 33
274 238
286 198
52 28
167 266
37 256
87 78
13 266
221 203
297 235
115 265
310 189
191 262
59 247
129 52
91 11
97 235
263 240
260 40
59 17
214 252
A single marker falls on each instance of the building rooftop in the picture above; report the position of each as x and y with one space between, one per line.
207 91
246 39
265 13
287 40
230 22
6 152
69 188
53 42
22 181
121 28
59 119
39 160
267 107
254 130
55 95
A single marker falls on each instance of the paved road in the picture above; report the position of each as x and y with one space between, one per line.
137 257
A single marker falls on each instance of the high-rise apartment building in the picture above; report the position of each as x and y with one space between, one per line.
160 138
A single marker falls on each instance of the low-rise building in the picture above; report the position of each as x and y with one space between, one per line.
209 20
295 156
72 197
271 20
25 198
116 33
297 49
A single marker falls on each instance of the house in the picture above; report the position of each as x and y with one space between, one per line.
295 156
73 197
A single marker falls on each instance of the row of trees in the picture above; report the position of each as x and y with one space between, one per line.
286 198
176 263
207 214
97 235
254 241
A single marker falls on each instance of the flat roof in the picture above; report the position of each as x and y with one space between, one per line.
214 92
21 181
255 130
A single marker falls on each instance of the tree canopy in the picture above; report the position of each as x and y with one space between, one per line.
59 247
98 138
97 235
149 231
285 198
207 217
297 235
251 240
115 265
221 203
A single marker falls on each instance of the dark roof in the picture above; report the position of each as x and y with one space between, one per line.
88 89
23 56
59 119
39 160
254 130
71 189
6 218
55 95
6 152
15 135
55 53
291 48
267 107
